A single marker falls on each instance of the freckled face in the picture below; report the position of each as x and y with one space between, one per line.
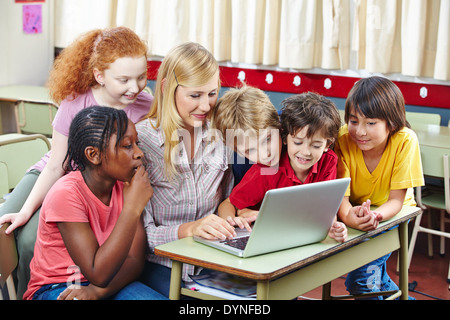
124 79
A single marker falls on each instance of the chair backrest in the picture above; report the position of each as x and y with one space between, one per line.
19 152
423 118
342 115
432 158
33 117
435 163
4 179
446 182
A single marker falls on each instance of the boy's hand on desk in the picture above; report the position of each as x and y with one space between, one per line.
377 215
367 222
338 231
363 209
364 218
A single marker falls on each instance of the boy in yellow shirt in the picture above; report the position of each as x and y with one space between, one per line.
381 155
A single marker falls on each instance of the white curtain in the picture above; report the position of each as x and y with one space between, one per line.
255 31
406 36
384 36
442 64
375 33
73 17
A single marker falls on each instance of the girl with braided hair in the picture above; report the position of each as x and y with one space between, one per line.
102 67
91 240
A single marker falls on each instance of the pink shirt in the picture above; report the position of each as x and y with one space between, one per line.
69 200
69 108
250 192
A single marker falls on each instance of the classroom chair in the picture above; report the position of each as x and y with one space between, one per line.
148 90
18 152
342 114
415 118
435 163
34 117
4 181
8 262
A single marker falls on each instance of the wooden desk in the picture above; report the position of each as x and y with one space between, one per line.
14 94
433 135
289 273
37 121
434 142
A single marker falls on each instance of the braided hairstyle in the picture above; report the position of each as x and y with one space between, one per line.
93 126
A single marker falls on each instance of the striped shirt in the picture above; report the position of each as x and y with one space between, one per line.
193 193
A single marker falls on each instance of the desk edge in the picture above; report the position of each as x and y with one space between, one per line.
282 271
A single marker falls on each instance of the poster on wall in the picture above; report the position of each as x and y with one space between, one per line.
32 19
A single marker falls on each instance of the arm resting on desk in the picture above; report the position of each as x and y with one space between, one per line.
363 218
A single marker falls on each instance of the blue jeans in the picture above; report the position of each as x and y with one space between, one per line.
134 291
372 277
157 277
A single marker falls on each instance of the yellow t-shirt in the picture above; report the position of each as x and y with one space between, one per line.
400 167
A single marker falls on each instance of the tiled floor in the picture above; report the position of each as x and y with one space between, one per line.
429 273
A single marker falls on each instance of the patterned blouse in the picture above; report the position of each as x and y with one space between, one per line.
195 192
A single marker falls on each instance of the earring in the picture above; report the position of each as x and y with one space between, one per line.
102 84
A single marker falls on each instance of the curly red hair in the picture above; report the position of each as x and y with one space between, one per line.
72 72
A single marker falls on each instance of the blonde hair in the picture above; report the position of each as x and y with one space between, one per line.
245 108
189 65
73 70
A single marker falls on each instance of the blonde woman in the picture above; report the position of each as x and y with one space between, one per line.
187 164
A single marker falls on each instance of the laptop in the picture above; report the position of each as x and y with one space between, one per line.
288 217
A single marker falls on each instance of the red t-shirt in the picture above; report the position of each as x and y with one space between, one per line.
250 192
69 200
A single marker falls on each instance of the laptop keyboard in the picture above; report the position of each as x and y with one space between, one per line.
238 243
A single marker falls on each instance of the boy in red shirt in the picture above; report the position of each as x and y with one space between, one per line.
309 126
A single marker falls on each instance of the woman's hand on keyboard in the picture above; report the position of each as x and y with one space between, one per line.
212 227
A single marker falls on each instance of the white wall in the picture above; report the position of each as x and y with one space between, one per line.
25 58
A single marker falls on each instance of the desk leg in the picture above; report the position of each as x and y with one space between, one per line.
326 291
403 260
262 290
175 280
